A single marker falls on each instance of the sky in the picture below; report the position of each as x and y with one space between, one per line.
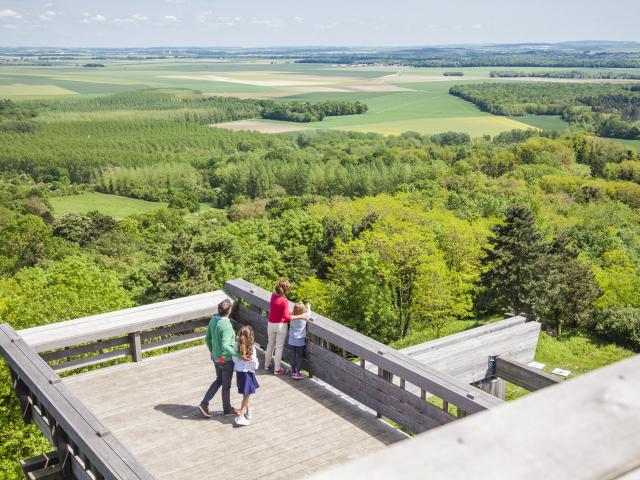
265 23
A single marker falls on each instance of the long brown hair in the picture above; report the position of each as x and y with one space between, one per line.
245 341
283 287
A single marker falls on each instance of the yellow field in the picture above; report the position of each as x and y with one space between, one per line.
474 126
19 90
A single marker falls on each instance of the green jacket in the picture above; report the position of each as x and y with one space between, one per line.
210 330
223 340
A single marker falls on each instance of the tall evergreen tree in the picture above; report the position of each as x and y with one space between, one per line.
569 287
511 263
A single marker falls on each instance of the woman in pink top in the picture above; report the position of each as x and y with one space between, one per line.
279 316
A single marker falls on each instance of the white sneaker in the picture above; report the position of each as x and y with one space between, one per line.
242 420
248 414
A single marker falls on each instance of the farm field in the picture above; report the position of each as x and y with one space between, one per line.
113 205
399 98
544 122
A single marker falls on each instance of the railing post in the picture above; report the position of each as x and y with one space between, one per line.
136 346
381 373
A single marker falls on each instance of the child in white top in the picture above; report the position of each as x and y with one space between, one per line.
245 367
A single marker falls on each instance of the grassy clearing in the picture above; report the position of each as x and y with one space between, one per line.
113 205
628 143
545 122
576 351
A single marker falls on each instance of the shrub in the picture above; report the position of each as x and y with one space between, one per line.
620 324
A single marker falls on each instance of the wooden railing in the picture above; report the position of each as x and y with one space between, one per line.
524 376
126 333
342 357
84 447
397 388
587 428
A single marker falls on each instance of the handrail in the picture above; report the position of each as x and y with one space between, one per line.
110 336
85 447
122 322
390 361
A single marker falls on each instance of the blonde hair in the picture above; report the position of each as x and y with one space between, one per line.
245 341
299 308
283 287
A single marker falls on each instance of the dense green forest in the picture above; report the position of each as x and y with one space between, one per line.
567 55
389 235
564 74
608 110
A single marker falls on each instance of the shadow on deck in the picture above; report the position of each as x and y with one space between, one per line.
298 427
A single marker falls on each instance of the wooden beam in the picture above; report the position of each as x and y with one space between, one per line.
523 375
135 346
464 355
395 363
585 429
122 322
74 423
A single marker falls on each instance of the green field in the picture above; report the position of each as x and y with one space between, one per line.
628 143
113 205
428 109
399 99
544 122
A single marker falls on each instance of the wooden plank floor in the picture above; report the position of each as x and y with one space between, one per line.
298 427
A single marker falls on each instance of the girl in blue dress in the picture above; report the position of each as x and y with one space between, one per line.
245 367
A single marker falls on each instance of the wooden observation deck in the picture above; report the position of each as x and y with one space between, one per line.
138 419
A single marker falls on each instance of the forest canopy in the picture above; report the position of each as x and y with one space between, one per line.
608 110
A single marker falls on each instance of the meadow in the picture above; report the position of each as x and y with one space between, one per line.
113 205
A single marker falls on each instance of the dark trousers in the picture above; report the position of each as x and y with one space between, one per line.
298 355
224 375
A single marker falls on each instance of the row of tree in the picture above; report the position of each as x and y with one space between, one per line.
574 74
608 110
305 112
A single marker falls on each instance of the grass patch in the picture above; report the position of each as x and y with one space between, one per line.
116 206
429 109
576 351
545 122
628 143
21 90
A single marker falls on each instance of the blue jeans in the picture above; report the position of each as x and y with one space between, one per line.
224 375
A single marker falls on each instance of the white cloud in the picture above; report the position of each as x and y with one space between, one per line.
49 14
170 18
10 14
328 26
48 5
134 18
268 22
298 19
87 18
210 20
175 2
477 26
8 26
